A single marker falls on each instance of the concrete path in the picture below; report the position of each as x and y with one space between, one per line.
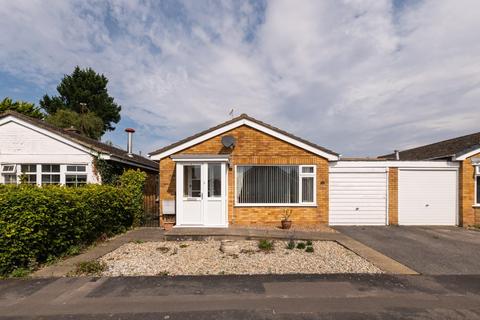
244 297
428 250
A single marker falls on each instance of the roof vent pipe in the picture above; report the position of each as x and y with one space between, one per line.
130 132
397 154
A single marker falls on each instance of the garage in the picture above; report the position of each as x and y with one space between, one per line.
427 197
358 196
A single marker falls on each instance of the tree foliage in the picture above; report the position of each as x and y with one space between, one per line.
84 89
87 123
23 107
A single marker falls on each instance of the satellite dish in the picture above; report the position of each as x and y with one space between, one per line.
228 141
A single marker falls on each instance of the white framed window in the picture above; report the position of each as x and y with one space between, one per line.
50 174
477 185
76 175
275 185
9 168
9 173
29 173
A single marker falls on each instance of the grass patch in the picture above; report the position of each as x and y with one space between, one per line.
90 268
301 245
20 273
265 245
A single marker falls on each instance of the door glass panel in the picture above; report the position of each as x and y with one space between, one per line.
191 181
214 180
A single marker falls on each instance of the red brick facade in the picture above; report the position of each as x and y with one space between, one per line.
255 147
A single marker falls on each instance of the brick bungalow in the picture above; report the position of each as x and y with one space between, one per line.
246 172
243 172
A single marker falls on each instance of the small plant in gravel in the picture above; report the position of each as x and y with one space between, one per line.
247 251
163 273
89 268
265 245
291 244
183 245
309 243
163 249
138 241
309 249
301 245
175 251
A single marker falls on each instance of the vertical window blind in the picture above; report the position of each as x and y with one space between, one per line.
274 185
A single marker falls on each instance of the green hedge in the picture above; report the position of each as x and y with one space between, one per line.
39 224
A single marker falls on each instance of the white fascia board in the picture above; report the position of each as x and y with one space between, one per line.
394 164
237 124
202 160
47 133
467 155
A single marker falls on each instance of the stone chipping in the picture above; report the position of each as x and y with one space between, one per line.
205 258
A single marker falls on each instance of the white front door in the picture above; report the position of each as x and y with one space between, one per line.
201 194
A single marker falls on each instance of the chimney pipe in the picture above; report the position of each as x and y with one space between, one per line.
397 154
130 132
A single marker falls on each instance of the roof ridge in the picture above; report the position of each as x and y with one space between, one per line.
87 142
233 120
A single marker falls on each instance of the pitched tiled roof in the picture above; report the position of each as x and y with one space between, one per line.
240 117
440 150
86 142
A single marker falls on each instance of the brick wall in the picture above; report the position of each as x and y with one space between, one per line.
468 214
255 147
393 196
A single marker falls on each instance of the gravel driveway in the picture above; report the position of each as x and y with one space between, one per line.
205 257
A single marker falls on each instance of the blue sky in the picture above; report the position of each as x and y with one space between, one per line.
361 77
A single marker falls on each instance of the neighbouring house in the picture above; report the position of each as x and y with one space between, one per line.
38 153
465 152
247 172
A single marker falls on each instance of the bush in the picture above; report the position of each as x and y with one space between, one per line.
39 224
265 245
301 245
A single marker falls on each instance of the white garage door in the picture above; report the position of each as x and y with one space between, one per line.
427 197
358 198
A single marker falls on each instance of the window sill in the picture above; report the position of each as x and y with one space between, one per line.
297 205
476 206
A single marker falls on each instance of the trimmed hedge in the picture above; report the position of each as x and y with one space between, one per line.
39 224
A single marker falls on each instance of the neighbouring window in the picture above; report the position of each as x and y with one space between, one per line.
10 178
192 181
8 168
50 174
279 184
477 184
9 173
214 180
29 173
76 175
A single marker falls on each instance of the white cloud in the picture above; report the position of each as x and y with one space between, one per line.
360 77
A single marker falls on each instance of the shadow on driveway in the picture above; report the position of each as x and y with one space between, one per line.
427 250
